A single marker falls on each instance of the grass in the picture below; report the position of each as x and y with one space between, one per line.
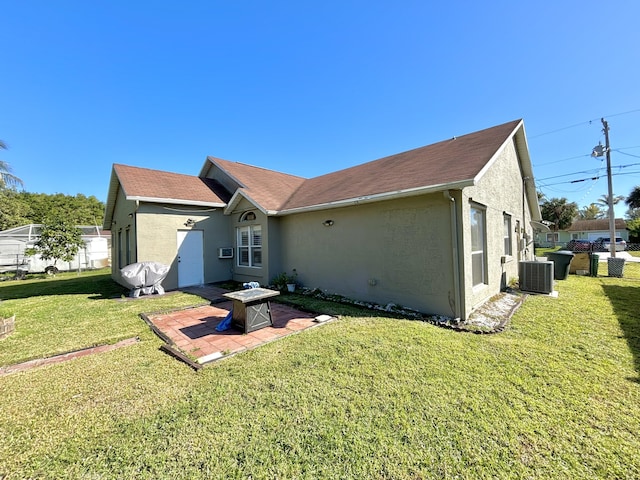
557 395
72 311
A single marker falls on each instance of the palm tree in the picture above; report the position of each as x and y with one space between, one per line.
633 200
7 179
591 212
604 200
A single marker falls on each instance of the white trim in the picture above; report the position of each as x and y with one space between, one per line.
176 201
250 247
410 192
235 200
482 209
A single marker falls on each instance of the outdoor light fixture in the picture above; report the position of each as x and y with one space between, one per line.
190 222
327 223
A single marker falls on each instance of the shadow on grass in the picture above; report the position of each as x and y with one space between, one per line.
96 286
626 303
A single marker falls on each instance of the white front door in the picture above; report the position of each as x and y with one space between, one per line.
190 258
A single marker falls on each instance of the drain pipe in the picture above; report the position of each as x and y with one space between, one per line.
457 310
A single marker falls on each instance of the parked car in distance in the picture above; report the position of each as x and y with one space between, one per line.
603 244
579 246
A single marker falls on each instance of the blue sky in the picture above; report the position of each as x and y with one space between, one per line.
311 87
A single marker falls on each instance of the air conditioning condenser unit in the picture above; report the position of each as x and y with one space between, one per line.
225 252
536 276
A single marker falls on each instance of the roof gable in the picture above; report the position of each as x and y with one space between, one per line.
268 189
156 185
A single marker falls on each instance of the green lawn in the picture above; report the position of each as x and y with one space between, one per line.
72 311
557 395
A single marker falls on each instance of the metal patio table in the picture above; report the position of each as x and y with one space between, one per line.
251 308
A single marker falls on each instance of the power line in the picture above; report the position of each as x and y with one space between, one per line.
563 160
628 154
588 122
619 150
593 170
597 177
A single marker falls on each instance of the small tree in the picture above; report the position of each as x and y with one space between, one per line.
560 212
633 226
58 241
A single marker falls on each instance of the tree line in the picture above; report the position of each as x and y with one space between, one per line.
60 238
19 208
22 208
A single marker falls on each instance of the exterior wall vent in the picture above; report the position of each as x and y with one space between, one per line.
225 252
536 276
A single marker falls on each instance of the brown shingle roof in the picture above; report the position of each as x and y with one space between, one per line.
439 166
594 225
268 188
450 161
158 185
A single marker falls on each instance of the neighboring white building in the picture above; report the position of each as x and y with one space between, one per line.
14 242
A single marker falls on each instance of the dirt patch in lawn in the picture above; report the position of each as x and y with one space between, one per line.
493 316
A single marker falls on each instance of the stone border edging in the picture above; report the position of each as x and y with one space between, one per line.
63 357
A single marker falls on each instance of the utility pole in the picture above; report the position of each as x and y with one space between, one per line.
612 216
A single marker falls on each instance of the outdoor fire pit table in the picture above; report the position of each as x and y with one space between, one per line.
251 308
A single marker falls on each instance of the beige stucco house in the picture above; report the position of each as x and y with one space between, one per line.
439 229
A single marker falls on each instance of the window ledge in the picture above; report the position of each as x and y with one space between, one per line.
478 288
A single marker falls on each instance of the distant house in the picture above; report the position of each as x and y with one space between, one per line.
439 229
590 230
14 242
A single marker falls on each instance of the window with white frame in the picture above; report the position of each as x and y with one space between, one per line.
250 246
507 234
120 257
478 245
552 237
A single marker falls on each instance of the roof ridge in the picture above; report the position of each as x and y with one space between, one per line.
412 150
154 170
366 168
258 168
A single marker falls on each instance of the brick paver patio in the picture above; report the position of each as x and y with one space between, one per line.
193 330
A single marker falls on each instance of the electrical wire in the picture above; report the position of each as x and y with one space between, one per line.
593 170
618 150
588 122
586 179
563 160
628 154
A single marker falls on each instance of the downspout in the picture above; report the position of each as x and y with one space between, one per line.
524 219
135 227
525 250
455 255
